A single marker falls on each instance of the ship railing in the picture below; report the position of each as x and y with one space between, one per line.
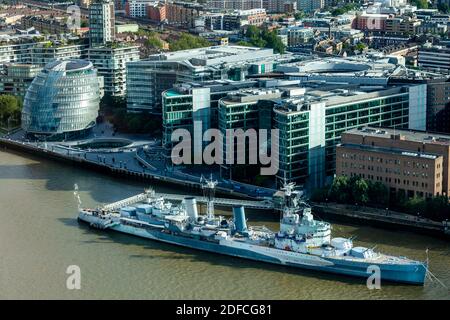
126 202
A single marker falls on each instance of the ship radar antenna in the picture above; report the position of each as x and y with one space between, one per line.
289 196
209 186
150 192
77 196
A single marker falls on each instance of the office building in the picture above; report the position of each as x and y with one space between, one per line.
195 101
280 6
147 79
18 51
44 53
16 78
310 5
156 12
110 62
371 21
311 125
297 36
310 116
245 109
138 8
51 25
343 70
414 163
438 98
402 25
434 58
234 20
101 22
234 4
62 102
180 13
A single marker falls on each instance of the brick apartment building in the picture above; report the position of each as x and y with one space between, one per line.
413 162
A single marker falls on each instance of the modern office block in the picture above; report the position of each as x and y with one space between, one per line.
62 101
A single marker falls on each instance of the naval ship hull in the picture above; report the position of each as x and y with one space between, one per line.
404 273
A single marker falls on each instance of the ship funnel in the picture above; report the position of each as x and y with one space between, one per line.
191 208
239 219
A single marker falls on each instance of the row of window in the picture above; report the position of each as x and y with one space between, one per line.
390 180
381 160
388 170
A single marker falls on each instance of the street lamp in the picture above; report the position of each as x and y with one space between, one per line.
8 124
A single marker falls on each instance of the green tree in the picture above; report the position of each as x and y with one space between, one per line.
337 12
299 15
264 39
110 103
443 7
10 108
378 193
399 200
415 205
421 4
244 43
360 189
341 10
436 208
274 42
253 32
154 42
356 189
360 47
188 41
339 190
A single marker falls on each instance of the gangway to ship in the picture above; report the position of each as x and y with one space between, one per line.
126 202
224 202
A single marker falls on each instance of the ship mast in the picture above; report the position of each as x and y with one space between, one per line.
209 186
77 196
290 200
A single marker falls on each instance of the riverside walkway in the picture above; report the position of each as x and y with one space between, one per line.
141 159
383 216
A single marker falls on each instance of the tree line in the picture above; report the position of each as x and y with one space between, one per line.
188 41
114 110
358 191
10 109
262 38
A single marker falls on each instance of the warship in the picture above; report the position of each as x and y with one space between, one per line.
301 242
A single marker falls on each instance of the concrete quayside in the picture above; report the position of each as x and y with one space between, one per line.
129 162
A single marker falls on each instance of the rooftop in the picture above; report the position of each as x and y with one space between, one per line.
214 86
403 134
214 55
396 151
333 96
334 67
68 65
251 95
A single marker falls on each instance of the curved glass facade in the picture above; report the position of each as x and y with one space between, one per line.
63 98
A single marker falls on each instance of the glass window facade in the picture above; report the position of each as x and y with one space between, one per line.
63 98
391 110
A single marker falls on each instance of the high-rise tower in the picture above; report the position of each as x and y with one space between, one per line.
101 23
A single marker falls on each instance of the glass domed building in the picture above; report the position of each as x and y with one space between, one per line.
62 102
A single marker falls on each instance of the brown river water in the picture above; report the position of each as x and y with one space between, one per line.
40 237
